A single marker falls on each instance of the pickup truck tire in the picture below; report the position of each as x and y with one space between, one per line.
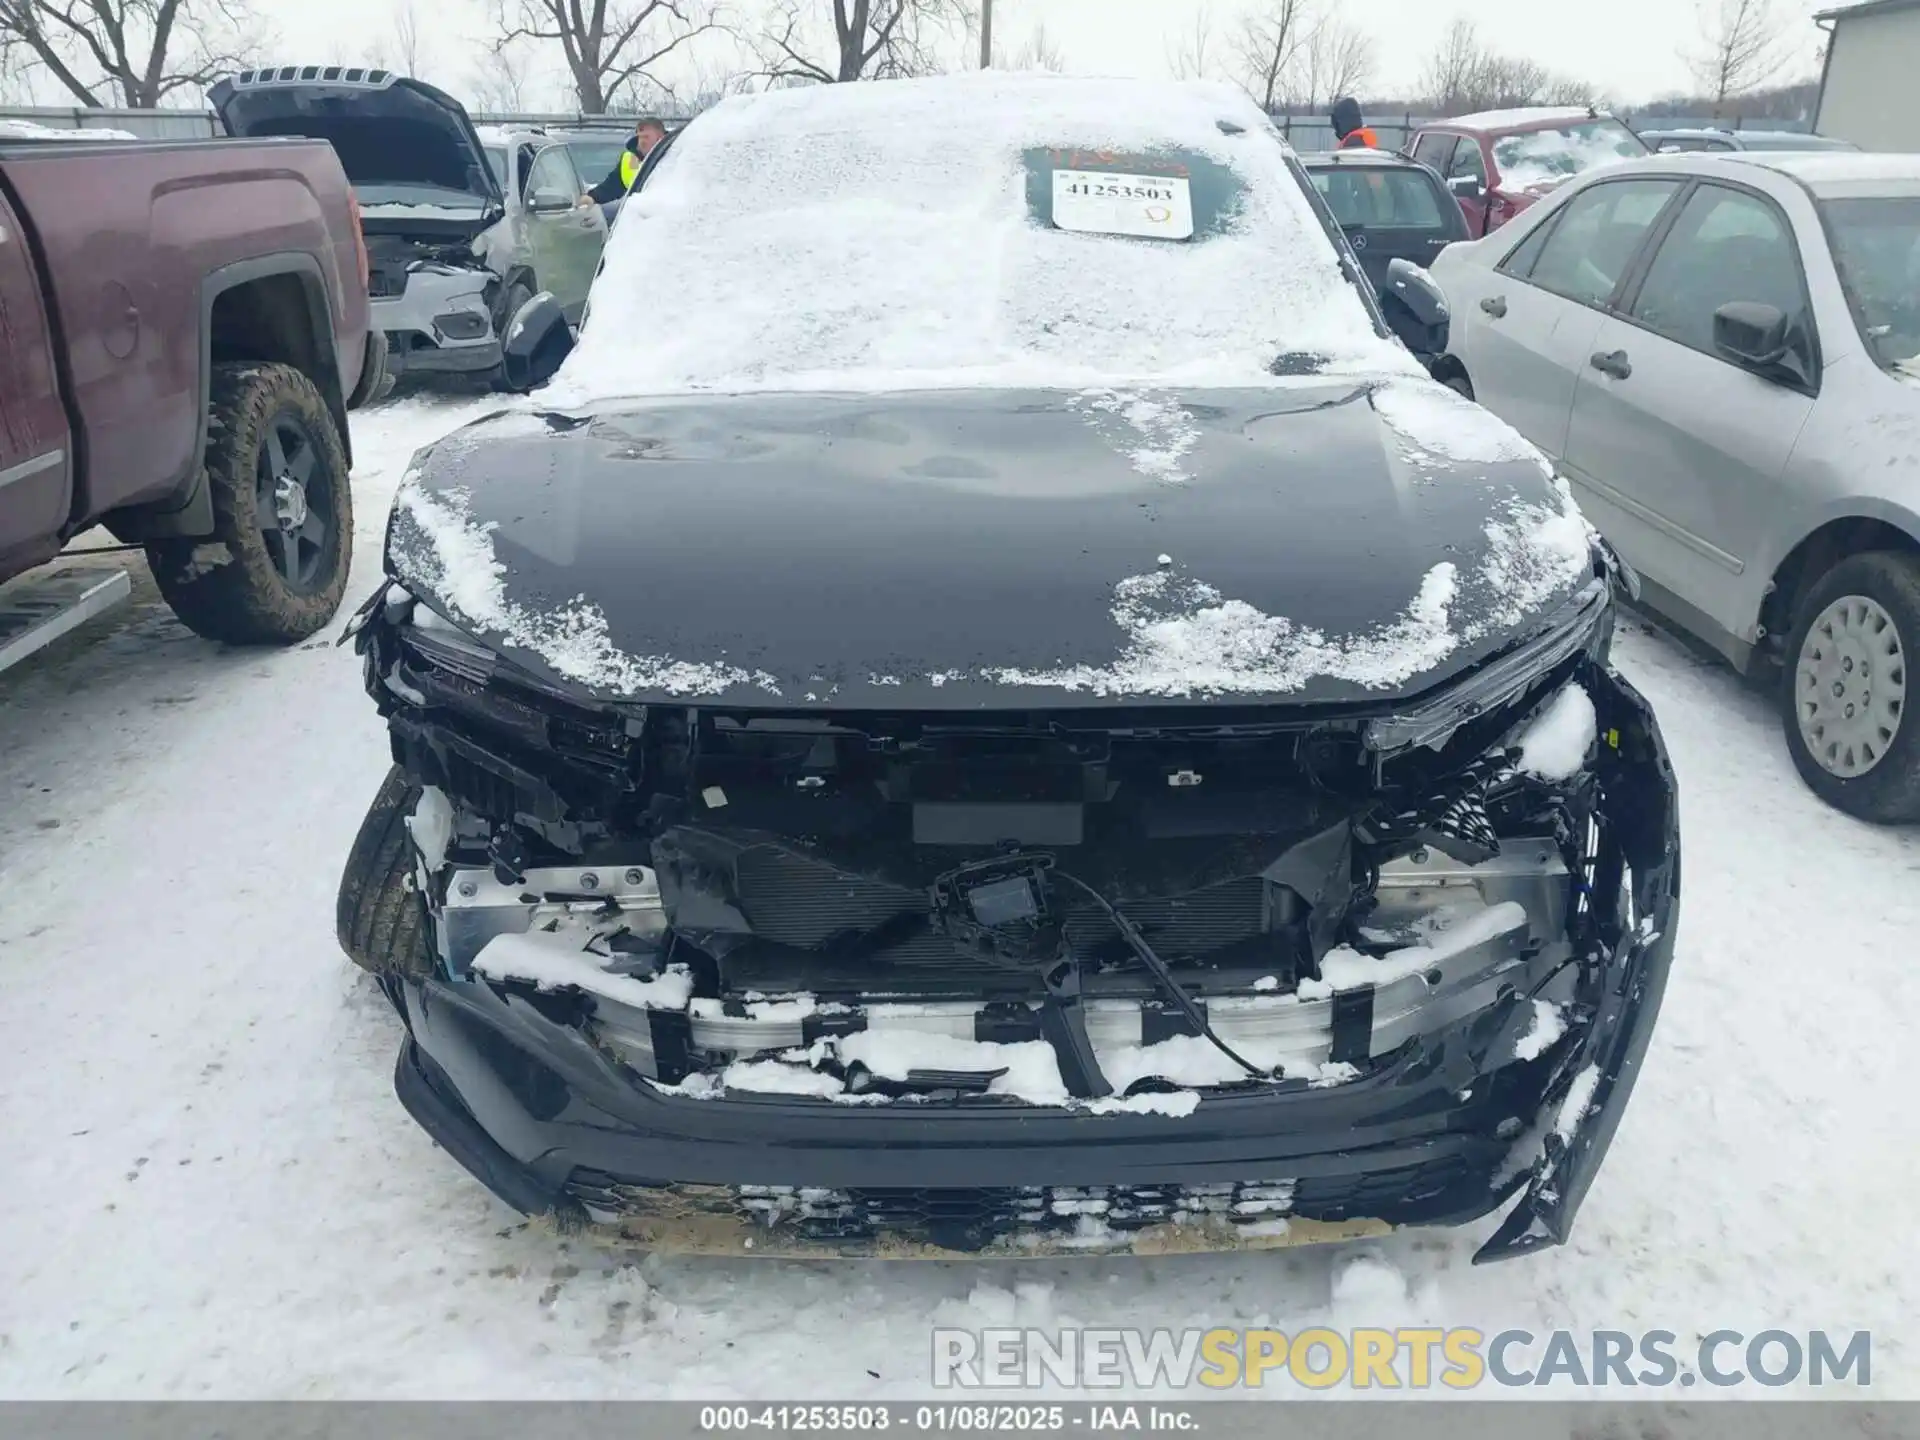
275 568
378 915
1849 692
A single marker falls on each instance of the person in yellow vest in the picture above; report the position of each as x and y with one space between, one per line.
647 133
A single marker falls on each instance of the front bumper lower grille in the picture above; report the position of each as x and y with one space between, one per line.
1030 1216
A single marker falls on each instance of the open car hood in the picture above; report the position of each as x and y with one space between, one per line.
387 129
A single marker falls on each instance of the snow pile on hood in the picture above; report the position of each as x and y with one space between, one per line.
1534 552
31 130
438 547
879 236
1185 638
1154 433
1437 426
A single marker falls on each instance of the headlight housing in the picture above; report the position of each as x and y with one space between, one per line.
1431 723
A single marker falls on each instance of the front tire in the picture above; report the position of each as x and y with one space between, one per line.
515 295
275 568
1849 684
379 917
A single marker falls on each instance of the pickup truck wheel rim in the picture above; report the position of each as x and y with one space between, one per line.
1850 686
292 510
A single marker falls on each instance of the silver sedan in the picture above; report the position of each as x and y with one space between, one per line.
1722 354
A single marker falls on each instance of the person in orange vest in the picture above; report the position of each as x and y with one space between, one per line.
1350 129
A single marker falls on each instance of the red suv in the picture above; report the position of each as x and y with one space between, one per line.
1499 162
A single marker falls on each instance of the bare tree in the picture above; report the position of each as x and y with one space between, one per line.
869 39
1337 60
1743 48
1453 71
499 83
1569 90
1508 80
407 40
608 44
129 52
1040 53
1192 56
1267 48
1464 74
16 75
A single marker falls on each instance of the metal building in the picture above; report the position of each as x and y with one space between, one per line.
1867 85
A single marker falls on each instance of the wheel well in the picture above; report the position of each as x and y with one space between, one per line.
1803 566
273 318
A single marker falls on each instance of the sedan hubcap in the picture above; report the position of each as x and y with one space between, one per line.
1850 686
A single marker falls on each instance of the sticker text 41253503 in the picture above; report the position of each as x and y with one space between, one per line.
1107 202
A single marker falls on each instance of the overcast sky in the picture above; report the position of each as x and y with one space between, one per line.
1631 49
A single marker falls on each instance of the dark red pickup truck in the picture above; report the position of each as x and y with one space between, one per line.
183 328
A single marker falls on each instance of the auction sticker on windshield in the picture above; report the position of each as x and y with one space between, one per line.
1107 202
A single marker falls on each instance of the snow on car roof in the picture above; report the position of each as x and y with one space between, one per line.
1819 168
1357 154
886 236
1514 119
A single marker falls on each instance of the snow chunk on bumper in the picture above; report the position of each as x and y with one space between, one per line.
555 961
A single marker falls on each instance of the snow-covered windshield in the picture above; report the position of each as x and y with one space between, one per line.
1876 247
1546 157
987 229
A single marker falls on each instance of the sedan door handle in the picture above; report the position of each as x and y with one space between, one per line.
1496 306
1612 363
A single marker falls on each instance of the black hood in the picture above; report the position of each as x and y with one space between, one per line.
387 129
976 549
1346 117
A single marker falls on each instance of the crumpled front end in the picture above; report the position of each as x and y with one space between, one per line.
1017 983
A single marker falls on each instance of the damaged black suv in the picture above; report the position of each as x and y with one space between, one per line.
990 707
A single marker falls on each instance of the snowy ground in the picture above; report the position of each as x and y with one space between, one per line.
208 1189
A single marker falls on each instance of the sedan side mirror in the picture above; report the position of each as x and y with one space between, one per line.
537 341
1466 187
548 202
1754 334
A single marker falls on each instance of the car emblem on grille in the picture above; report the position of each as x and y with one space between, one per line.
1360 242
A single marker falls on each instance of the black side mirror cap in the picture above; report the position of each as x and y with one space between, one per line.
537 342
1756 335
1466 187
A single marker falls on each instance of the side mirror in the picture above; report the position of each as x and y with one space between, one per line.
1419 292
549 203
1754 334
537 341
1466 187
